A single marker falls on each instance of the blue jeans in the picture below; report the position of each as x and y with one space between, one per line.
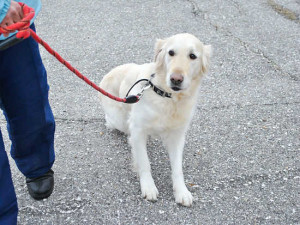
30 122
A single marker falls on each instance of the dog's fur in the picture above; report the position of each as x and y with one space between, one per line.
155 115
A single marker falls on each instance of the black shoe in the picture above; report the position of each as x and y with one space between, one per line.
41 187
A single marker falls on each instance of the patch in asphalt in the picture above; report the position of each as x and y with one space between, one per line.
285 12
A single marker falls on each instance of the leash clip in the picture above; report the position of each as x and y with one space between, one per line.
147 86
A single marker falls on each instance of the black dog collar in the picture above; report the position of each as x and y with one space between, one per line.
157 90
149 84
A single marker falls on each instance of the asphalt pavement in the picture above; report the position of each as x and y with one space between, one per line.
242 155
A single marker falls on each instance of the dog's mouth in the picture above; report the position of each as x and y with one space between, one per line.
175 88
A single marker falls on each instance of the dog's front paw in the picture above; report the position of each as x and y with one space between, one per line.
149 190
184 197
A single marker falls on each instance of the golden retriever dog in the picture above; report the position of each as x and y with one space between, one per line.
165 109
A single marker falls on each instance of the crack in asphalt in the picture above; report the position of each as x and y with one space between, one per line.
197 12
267 58
195 9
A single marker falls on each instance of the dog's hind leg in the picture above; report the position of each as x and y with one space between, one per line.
138 140
116 118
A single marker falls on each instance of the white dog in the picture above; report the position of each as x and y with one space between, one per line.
165 109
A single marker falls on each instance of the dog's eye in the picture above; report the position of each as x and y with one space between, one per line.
193 56
171 53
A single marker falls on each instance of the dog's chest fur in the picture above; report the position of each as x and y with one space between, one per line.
161 115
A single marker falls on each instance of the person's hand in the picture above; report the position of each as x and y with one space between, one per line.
13 15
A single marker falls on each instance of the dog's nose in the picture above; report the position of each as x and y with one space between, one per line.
176 78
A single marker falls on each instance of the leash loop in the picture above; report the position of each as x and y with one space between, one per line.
23 25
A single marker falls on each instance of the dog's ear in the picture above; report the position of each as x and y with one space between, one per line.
207 52
158 51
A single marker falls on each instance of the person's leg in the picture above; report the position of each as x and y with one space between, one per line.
8 200
24 94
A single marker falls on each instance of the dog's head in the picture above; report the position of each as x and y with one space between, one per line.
182 59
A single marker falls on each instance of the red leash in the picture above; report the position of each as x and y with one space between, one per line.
24 31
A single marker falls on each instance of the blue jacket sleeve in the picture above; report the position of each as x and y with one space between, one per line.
4 6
